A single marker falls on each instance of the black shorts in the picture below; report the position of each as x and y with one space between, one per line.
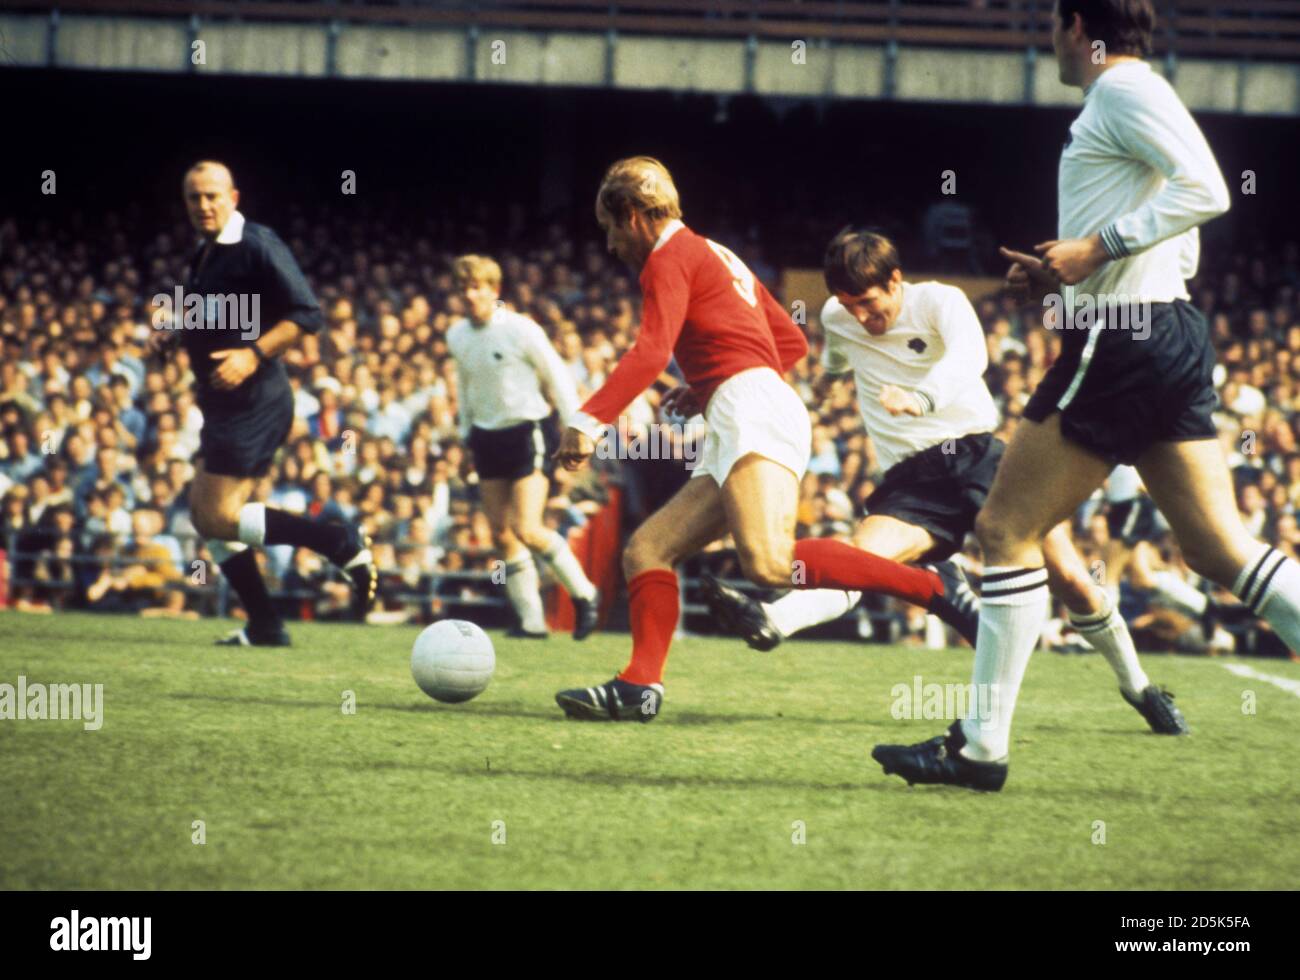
1119 391
940 491
1131 521
516 451
243 441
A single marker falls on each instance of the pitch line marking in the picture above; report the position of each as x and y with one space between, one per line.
1285 683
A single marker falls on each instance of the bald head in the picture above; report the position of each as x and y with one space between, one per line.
210 196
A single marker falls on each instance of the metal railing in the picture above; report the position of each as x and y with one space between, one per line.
213 594
24 557
1248 28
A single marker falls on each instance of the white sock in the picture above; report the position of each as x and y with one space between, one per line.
522 589
1270 585
1108 634
1177 593
223 551
1013 609
252 524
566 567
808 607
1112 593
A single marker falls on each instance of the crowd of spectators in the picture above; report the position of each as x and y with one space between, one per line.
97 436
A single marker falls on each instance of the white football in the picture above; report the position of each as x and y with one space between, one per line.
453 660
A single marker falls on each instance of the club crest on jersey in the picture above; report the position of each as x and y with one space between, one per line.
916 344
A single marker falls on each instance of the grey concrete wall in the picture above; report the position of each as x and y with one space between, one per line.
816 69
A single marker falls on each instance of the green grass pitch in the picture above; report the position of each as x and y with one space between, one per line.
752 753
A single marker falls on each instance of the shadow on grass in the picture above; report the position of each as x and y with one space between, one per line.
489 710
628 779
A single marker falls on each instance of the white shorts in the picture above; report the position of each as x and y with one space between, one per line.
754 411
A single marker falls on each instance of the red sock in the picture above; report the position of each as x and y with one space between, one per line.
653 605
829 564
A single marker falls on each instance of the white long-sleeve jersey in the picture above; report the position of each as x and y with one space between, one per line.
1138 171
936 349
505 370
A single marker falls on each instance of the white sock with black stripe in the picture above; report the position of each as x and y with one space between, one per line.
566 567
1108 634
803 608
1013 609
1270 585
1179 594
522 584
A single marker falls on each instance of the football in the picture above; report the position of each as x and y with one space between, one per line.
453 661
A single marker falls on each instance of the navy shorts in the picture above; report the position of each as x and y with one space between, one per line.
1119 391
940 491
516 451
243 440
1131 521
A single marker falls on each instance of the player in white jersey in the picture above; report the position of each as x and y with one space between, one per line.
1136 179
918 356
509 379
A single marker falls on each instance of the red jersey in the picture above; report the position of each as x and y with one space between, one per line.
701 304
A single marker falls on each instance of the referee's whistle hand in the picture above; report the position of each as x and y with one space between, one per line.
575 449
236 366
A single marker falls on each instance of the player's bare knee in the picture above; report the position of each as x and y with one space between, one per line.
215 522
641 554
534 536
996 535
1079 593
1212 561
769 567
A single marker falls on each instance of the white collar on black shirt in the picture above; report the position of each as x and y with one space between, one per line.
232 232
670 229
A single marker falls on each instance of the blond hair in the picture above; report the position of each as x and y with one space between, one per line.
476 268
638 184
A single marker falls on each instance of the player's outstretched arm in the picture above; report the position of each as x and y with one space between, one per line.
663 314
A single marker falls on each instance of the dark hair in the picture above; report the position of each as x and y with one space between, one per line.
858 259
1123 26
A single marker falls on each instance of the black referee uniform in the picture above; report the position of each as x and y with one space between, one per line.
243 427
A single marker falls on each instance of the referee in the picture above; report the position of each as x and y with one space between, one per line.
245 303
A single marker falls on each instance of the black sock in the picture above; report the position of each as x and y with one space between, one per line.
323 537
242 573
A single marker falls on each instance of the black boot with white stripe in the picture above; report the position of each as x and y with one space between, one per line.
1157 706
959 607
615 700
358 564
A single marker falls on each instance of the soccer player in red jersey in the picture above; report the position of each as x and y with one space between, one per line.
733 341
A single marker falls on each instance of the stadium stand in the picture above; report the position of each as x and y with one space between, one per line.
97 437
